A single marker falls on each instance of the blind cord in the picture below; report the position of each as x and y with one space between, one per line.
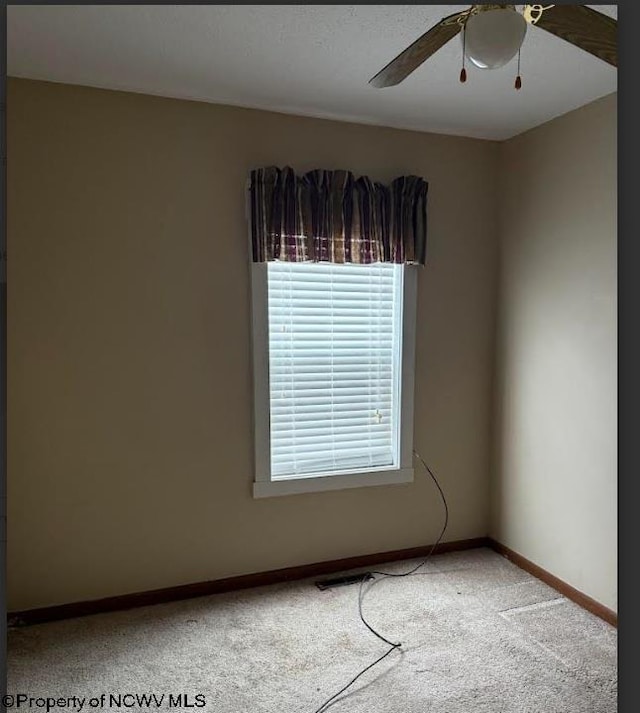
382 575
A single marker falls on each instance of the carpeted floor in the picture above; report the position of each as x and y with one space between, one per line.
479 635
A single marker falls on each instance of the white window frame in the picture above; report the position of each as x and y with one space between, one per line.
264 485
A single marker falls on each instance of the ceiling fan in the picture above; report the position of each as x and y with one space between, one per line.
493 34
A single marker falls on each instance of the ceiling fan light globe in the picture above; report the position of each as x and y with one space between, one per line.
493 37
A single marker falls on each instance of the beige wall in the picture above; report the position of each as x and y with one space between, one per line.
555 470
129 394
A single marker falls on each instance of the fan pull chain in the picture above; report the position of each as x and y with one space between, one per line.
518 83
463 71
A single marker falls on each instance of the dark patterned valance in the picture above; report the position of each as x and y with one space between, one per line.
332 216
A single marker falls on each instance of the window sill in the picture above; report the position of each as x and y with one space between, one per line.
294 486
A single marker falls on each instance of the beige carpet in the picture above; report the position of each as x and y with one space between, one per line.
478 635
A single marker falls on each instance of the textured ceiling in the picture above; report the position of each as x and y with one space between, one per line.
313 60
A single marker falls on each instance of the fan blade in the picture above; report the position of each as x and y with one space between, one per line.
583 27
418 52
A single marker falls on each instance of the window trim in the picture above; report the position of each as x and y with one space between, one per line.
263 485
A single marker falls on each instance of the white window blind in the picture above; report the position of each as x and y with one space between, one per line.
335 336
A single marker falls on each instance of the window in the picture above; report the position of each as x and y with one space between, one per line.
333 375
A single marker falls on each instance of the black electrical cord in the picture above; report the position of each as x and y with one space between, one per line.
393 646
331 700
440 536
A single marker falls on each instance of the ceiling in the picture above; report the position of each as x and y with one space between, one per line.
311 60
